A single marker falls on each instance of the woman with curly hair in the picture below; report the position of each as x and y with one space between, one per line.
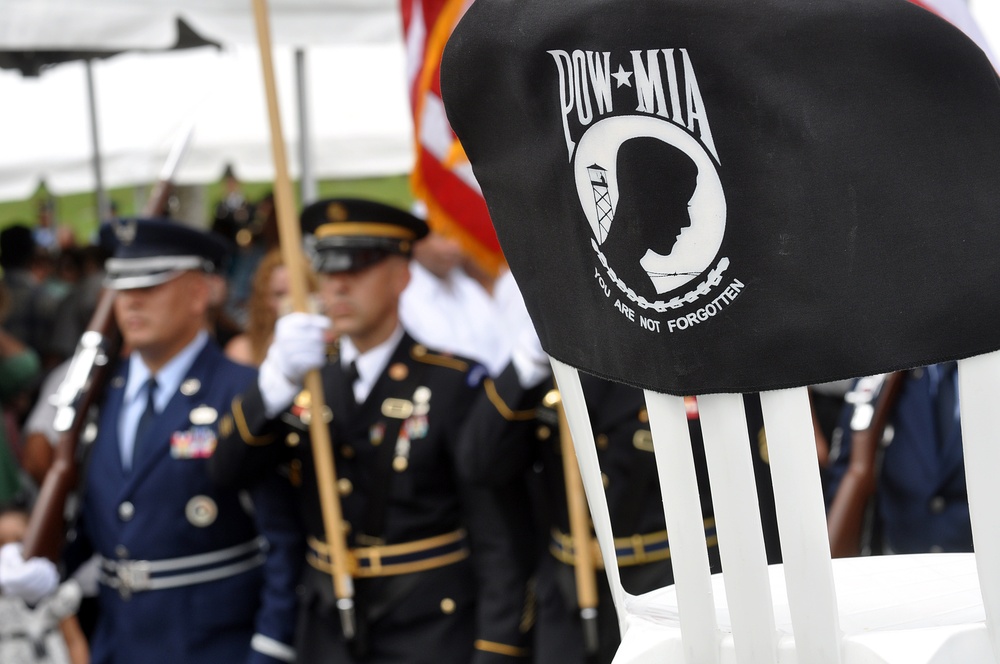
268 300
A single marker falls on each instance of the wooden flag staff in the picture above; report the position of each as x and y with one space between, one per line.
290 235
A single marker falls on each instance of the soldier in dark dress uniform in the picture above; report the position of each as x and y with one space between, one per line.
514 428
415 533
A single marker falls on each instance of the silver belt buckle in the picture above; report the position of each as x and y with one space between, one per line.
133 576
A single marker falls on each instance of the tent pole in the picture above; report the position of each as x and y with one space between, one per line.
103 209
307 187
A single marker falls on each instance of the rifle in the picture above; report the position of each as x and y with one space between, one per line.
873 398
86 378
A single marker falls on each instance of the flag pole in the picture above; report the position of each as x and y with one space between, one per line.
290 235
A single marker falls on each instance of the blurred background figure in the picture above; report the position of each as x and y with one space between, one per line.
48 632
448 304
268 301
19 368
921 504
17 251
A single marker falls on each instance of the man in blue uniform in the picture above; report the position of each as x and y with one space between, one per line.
921 504
180 560
422 550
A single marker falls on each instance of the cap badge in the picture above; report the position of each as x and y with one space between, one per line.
336 212
125 230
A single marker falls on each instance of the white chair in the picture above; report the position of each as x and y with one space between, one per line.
904 609
839 219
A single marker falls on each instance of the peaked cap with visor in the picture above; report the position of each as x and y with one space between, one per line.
348 234
149 252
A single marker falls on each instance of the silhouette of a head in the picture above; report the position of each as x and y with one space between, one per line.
655 184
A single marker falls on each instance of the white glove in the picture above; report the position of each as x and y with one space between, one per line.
31 579
530 362
299 346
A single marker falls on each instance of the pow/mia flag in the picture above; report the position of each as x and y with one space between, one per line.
703 196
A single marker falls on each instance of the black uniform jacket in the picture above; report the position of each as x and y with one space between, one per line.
398 484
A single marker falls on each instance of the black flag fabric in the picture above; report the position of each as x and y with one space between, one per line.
702 196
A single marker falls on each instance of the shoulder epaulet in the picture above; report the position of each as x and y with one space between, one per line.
420 353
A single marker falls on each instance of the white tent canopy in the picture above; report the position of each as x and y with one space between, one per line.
152 24
355 87
360 123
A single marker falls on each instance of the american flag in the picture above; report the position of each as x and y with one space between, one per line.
442 176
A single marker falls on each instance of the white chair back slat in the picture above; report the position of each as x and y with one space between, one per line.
738 525
668 424
798 501
568 382
978 389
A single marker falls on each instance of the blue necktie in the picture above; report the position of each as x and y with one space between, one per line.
146 421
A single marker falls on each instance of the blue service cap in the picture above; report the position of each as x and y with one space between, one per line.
346 234
148 252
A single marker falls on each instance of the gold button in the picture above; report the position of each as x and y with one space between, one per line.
643 415
347 451
398 371
292 439
344 486
602 441
605 479
419 351
543 432
448 605
399 464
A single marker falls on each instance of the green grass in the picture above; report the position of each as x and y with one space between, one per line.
78 211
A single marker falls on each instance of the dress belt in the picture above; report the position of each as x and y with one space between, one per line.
131 576
392 559
632 550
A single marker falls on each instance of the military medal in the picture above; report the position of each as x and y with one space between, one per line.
198 442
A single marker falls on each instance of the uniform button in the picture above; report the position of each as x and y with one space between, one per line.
543 432
938 504
602 441
344 486
126 511
448 605
292 439
605 479
643 416
347 451
121 551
